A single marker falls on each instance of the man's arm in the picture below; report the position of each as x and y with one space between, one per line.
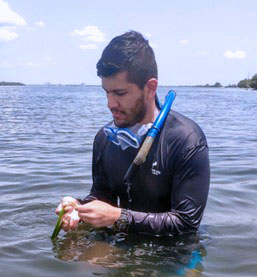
191 176
188 199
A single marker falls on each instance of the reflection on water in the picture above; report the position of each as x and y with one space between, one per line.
134 255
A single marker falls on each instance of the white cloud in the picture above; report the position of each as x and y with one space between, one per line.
7 34
239 54
10 20
90 33
40 24
88 46
7 16
184 41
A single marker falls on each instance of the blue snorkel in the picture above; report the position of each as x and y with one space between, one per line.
159 121
151 135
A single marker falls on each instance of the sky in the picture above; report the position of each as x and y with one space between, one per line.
195 42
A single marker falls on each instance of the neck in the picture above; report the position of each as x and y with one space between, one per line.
151 114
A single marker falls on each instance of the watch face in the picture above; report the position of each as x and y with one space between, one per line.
122 223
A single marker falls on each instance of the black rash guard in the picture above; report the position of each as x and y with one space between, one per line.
170 190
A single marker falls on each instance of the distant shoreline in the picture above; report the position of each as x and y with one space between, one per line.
11 84
83 84
187 86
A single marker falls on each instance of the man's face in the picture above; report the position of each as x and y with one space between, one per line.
125 100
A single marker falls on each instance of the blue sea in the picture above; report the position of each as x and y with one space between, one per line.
46 136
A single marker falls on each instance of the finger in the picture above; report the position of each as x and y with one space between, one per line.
66 224
74 224
83 208
66 228
88 218
69 224
78 208
92 221
66 218
68 209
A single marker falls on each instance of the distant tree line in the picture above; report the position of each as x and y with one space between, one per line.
216 85
248 83
11 84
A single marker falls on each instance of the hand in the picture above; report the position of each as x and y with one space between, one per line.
70 219
98 213
67 203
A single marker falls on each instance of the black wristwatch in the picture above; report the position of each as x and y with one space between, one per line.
122 223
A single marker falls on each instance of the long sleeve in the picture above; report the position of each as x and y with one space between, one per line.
188 199
170 191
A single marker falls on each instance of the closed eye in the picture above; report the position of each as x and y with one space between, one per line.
118 92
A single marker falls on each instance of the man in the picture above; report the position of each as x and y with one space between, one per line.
169 192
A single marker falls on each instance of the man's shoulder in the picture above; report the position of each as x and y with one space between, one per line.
184 130
99 145
100 135
182 121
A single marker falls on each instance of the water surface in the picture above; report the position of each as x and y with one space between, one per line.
45 153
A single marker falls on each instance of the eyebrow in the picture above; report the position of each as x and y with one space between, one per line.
116 90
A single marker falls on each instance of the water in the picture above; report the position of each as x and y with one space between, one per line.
45 153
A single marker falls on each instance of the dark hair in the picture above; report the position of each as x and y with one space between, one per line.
129 52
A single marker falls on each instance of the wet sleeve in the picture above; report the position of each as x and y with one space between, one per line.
100 189
189 195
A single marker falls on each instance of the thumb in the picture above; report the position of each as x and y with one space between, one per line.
68 209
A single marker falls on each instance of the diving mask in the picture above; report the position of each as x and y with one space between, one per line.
126 137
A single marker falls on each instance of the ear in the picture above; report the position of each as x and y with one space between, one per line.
151 87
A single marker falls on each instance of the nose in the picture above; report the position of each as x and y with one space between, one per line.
112 101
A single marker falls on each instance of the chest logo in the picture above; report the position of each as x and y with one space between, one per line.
154 170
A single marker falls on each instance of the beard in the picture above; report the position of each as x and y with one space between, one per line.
134 115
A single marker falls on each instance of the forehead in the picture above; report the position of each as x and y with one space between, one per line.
116 82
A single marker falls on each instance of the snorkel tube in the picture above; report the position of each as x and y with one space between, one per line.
150 137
